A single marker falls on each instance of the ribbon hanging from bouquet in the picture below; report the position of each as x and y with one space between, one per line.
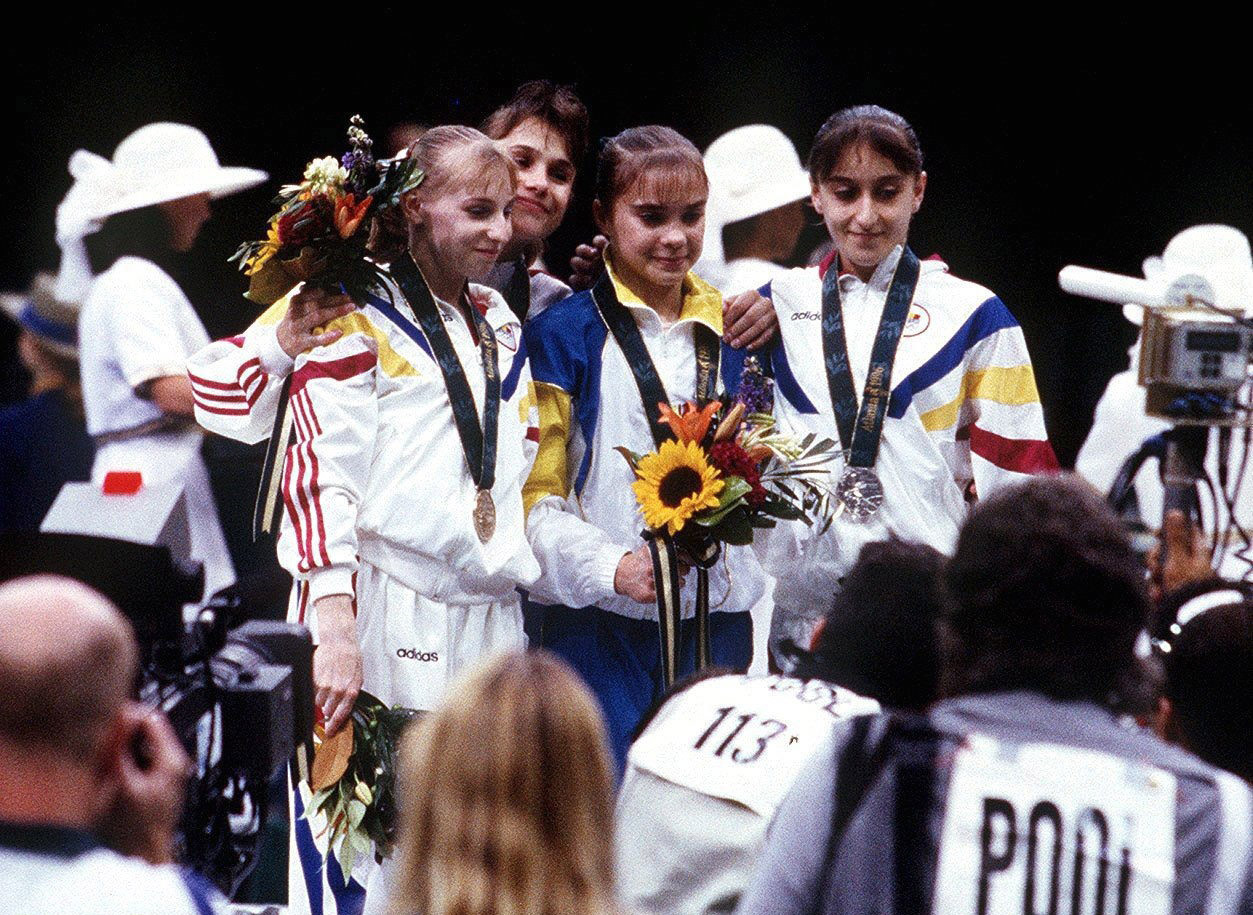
665 555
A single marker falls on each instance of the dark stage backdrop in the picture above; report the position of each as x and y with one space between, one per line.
1042 148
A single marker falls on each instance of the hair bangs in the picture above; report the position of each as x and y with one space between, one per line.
478 167
664 175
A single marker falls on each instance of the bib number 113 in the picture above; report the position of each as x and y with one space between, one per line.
755 734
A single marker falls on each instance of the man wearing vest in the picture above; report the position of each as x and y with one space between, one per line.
1025 791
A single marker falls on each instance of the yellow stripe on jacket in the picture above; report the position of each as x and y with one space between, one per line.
1012 386
549 475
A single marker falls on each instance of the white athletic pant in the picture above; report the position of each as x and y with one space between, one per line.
412 647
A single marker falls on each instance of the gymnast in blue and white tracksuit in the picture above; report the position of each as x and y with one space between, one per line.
583 522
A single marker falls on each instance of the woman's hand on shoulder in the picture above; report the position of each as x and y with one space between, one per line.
337 666
749 320
307 311
586 263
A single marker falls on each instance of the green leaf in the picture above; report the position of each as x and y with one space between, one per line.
735 529
729 499
632 458
347 856
356 810
781 508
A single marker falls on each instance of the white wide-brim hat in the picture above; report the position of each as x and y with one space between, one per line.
1218 253
752 170
40 312
155 164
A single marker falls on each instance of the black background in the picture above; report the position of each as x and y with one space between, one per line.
1049 139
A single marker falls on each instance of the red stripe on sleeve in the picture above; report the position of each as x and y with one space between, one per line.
213 385
339 369
237 341
302 497
254 391
204 397
288 501
240 410
1018 455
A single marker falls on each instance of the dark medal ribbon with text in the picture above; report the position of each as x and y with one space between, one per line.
860 428
626 333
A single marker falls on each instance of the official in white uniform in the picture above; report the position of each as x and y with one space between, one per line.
137 328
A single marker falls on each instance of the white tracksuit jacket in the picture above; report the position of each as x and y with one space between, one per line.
964 410
376 470
583 515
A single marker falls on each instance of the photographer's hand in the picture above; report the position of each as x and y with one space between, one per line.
337 669
1187 556
152 773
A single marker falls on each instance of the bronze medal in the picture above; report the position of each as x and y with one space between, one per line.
484 515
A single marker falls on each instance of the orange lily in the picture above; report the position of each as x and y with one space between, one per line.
349 213
690 424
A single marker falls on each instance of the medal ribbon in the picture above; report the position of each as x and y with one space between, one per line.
479 444
626 332
267 513
861 429
660 544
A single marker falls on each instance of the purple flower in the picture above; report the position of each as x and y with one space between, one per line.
756 391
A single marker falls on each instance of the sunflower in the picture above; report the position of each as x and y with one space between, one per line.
675 482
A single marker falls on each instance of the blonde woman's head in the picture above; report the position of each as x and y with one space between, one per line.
506 797
458 218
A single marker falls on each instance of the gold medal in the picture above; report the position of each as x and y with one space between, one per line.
484 515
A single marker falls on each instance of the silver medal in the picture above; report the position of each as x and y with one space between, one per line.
860 493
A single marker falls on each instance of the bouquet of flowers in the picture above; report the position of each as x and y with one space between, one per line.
353 778
321 231
730 471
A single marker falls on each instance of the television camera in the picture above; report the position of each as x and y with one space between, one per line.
1194 356
237 690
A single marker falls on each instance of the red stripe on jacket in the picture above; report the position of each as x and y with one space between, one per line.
340 369
1018 455
304 407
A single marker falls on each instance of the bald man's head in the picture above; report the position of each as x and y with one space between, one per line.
67 663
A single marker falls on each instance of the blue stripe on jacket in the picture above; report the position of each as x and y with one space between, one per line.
565 343
987 319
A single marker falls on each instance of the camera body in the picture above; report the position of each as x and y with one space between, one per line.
1194 357
237 690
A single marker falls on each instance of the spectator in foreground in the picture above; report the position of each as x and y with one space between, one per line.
950 814
81 763
507 792
702 782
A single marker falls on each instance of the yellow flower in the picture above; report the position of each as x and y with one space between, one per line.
675 482
268 250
